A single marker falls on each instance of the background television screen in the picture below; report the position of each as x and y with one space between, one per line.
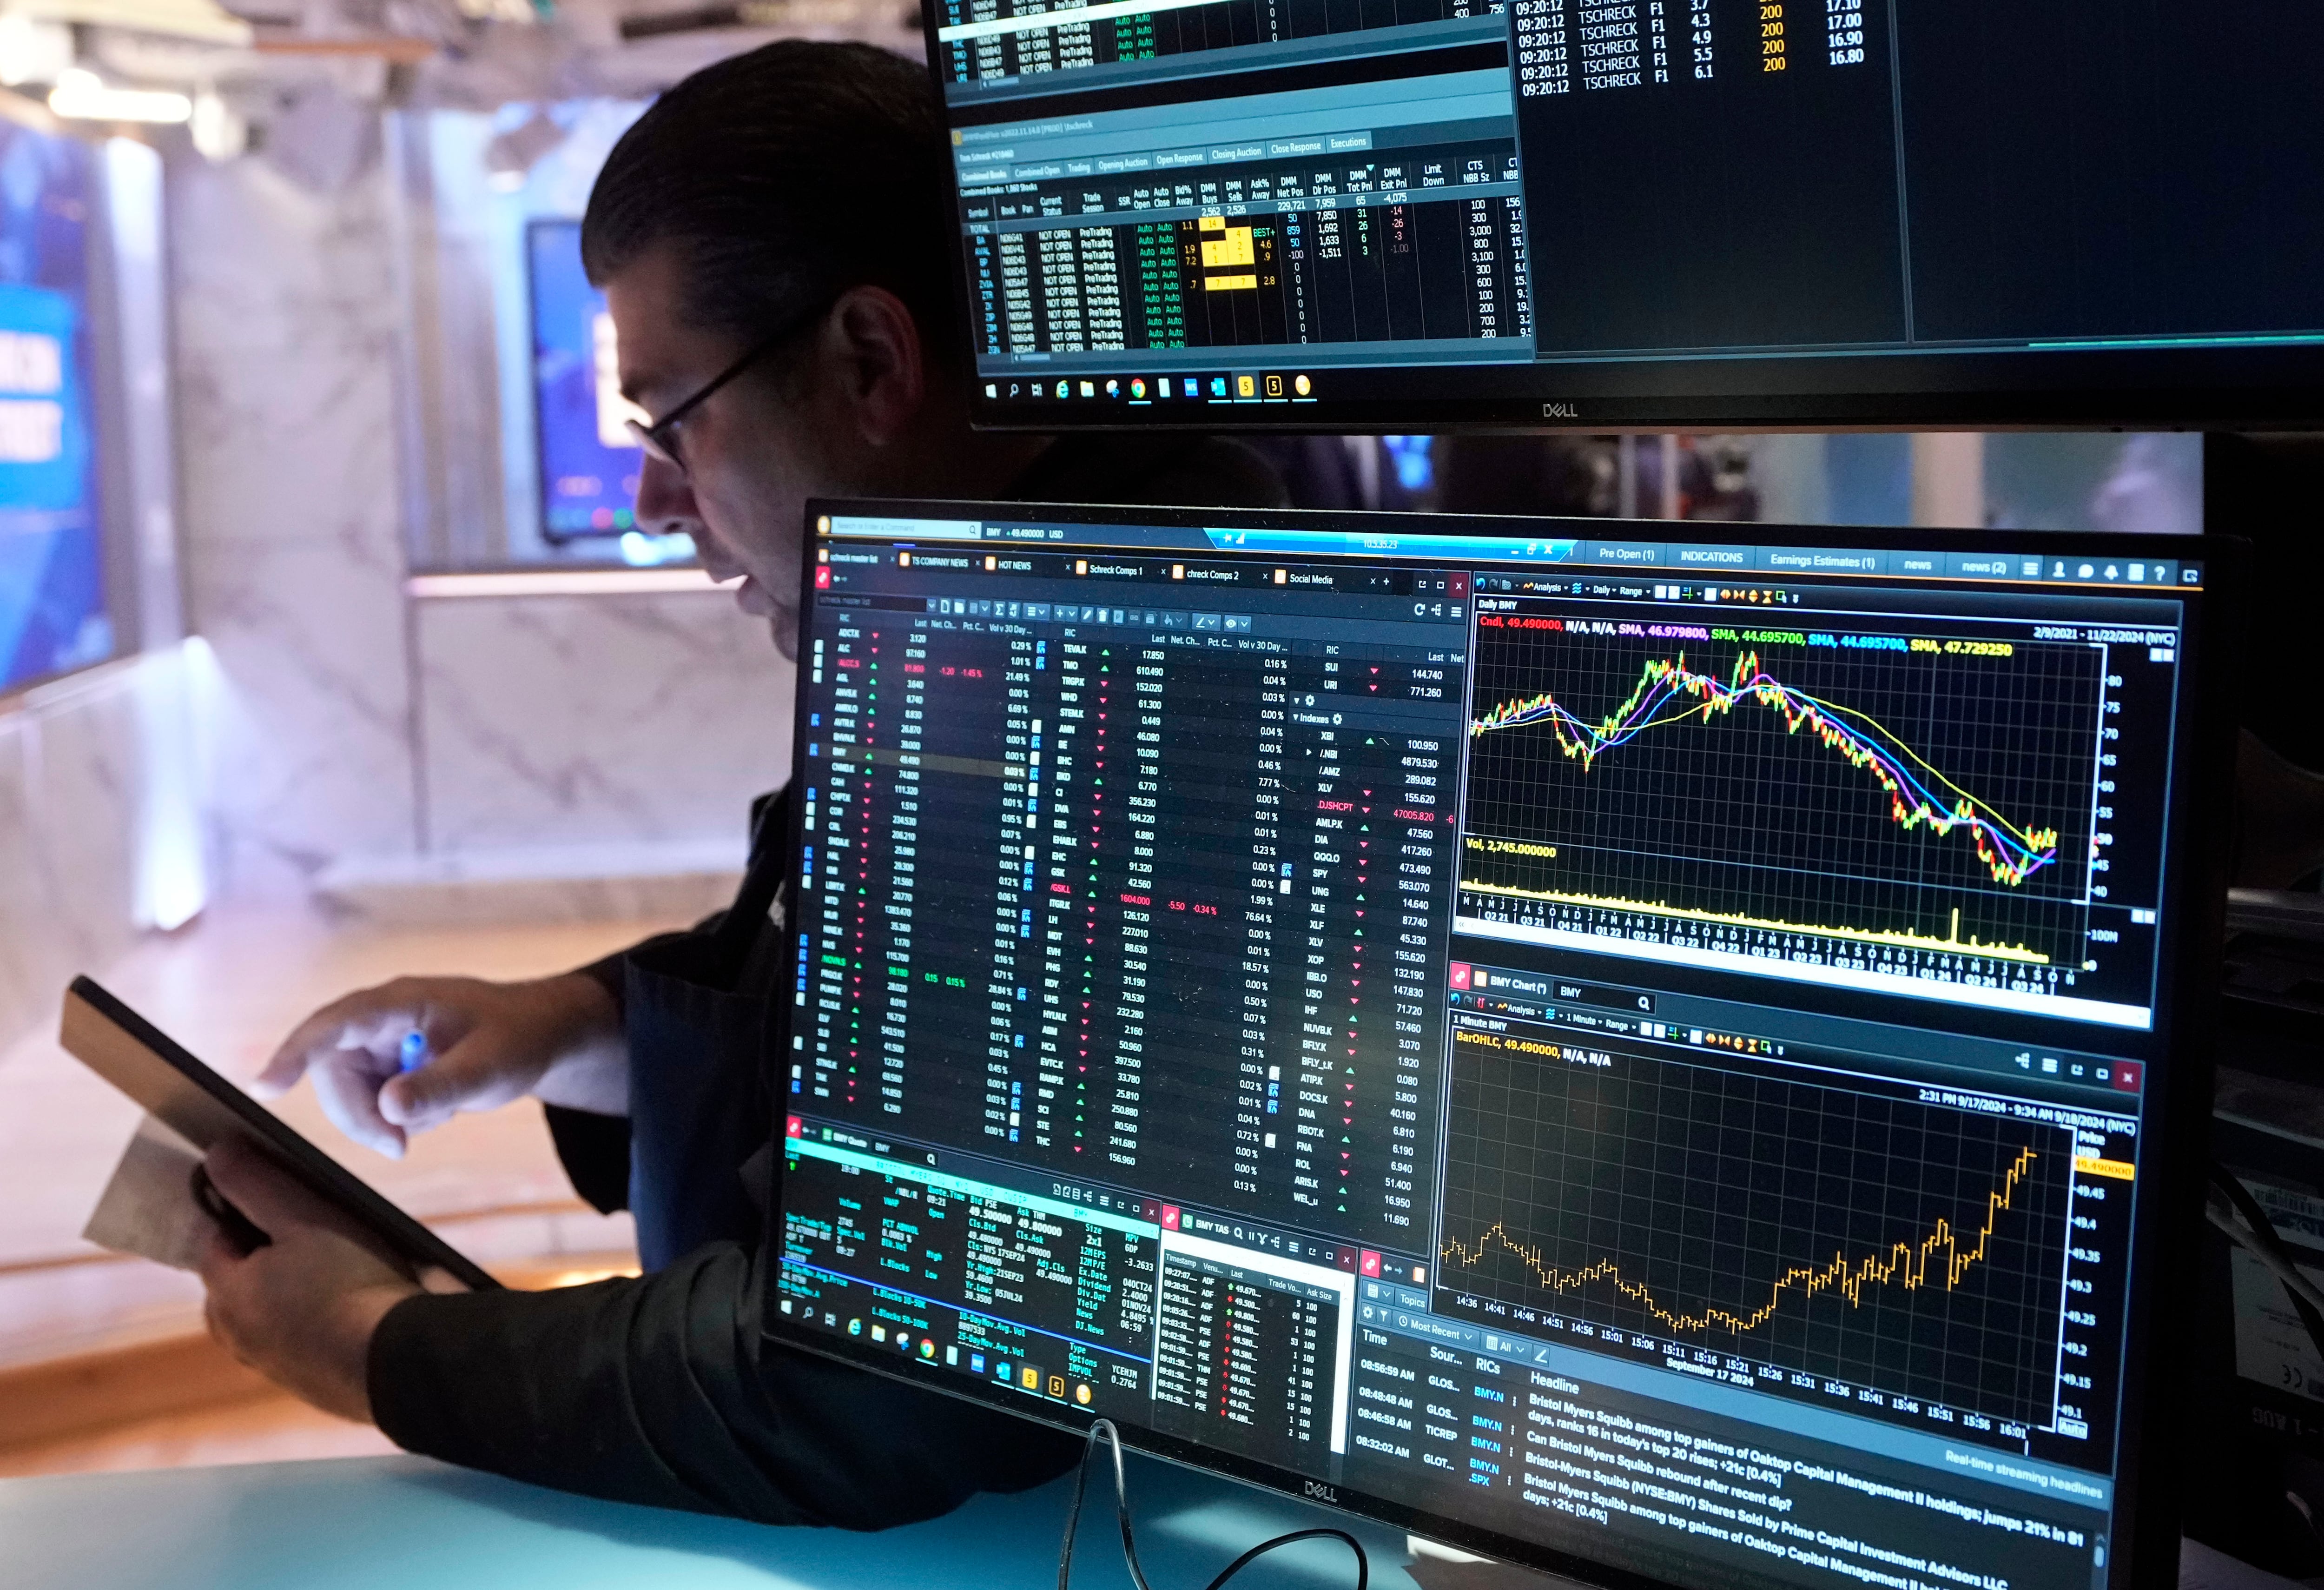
53 616
1322 213
588 465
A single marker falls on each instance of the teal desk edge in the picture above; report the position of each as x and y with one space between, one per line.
396 1522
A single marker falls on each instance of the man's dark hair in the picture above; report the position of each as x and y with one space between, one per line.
782 178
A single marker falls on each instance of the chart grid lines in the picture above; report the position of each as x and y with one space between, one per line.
1904 800
1703 1187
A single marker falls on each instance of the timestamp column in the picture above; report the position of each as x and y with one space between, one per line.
1544 47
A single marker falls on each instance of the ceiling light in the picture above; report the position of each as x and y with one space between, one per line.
83 96
219 131
32 51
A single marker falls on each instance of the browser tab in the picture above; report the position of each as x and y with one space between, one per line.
1823 560
1983 565
1923 563
1627 554
1729 559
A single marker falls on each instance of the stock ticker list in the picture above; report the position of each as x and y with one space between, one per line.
1256 1351
1593 45
1759 132
1021 1274
990 41
1414 245
1143 895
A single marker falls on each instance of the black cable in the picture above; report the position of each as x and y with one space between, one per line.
1120 1501
1363 1564
2267 1240
1104 1426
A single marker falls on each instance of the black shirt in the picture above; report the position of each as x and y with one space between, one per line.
662 1389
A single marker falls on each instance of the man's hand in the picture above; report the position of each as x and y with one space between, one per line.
558 1039
300 1310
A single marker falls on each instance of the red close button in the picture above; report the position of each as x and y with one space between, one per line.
2128 1076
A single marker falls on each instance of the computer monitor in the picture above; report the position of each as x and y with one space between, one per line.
1669 1061
1414 213
55 611
588 462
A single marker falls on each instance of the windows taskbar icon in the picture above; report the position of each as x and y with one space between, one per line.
1232 388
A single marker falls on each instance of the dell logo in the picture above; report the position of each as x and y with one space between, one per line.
1318 1491
1561 411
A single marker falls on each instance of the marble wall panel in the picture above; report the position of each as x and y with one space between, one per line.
86 801
71 781
284 311
608 720
22 966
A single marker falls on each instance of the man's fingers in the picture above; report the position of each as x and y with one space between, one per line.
472 1073
289 1062
349 1093
215 1264
435 1279
354 1023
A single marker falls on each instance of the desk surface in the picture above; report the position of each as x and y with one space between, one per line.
356 1523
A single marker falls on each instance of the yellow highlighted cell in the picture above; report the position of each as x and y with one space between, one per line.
1234 248
1230 283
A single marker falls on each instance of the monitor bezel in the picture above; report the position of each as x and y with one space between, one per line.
2178 388
2153 1405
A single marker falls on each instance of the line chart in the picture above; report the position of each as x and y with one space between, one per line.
1830 1227
1905 1264
2010 852
1916 809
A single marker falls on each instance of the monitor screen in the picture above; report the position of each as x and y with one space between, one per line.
588 462
1639 1056
1317 214
53 612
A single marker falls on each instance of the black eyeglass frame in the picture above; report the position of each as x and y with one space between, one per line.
659 436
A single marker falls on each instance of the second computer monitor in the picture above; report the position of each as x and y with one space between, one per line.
1407 214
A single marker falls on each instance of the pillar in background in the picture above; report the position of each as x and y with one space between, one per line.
1949 480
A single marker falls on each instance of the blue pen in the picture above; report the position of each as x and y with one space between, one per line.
413 1053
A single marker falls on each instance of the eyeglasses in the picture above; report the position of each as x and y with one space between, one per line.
660 439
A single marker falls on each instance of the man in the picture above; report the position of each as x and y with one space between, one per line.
771 238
